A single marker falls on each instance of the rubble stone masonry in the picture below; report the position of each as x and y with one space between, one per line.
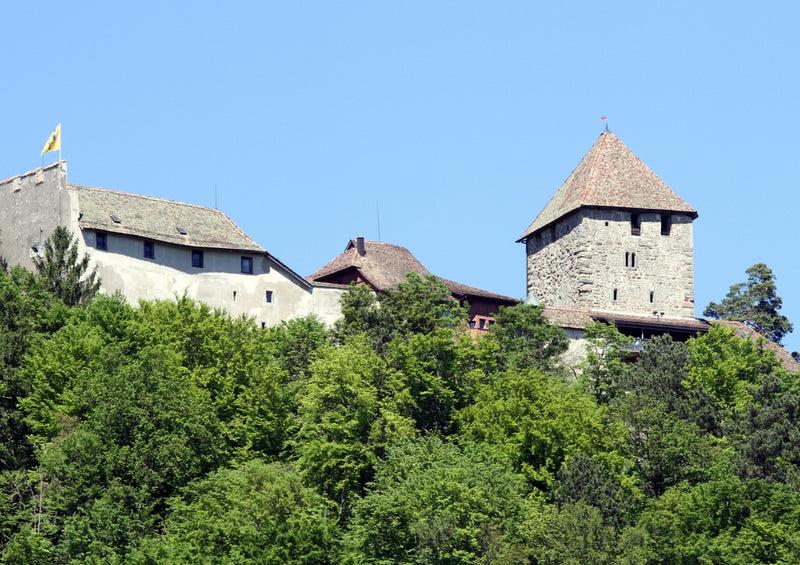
593 259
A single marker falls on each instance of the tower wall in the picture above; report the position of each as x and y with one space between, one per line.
591 259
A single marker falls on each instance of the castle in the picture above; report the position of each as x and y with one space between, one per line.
614 245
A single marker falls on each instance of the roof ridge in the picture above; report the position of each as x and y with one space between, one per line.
145 196
595 158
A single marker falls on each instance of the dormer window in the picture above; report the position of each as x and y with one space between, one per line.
636 224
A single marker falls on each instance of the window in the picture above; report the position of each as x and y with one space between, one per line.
247 265
268 297
197 258
234 296
652 296
630 259
149 251
101 240
636 224
666 224
615 294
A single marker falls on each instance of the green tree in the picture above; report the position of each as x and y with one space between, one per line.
65 274
255 513
538 422
727 367
754 303
526 339
435 503
348 412
603 366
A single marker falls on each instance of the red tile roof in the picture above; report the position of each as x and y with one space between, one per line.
610 176
384 265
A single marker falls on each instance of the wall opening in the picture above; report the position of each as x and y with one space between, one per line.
666 224
636 224
615 295
652 296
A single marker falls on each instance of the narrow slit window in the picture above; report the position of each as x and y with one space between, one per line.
234 296
627 259
633 260
652 296
666 224
615 294
636 224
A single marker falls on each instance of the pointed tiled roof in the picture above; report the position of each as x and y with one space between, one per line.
384 265
159 219
610 176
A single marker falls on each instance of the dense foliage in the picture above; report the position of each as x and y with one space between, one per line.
168 432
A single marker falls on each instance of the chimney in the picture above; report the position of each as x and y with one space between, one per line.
360 246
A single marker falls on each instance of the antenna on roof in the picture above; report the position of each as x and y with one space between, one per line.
378 212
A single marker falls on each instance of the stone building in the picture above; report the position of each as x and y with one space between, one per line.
614 238
152 248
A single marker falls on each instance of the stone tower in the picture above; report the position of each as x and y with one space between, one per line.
614 238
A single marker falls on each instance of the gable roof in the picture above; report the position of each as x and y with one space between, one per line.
610 176
384 266
159 219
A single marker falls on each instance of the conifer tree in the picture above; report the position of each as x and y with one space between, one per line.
755 303
63 273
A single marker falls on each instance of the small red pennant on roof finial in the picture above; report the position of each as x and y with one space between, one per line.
603 118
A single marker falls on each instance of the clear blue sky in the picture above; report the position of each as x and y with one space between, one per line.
457 121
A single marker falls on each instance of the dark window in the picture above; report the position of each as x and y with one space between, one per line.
652 296
101 241
234 296
627 259
181 230
636 224
197 258
615 294
149 251
633 259
666 224
268 297
115 219
247 265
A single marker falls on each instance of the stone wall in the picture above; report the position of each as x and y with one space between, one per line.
592 259
31 206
